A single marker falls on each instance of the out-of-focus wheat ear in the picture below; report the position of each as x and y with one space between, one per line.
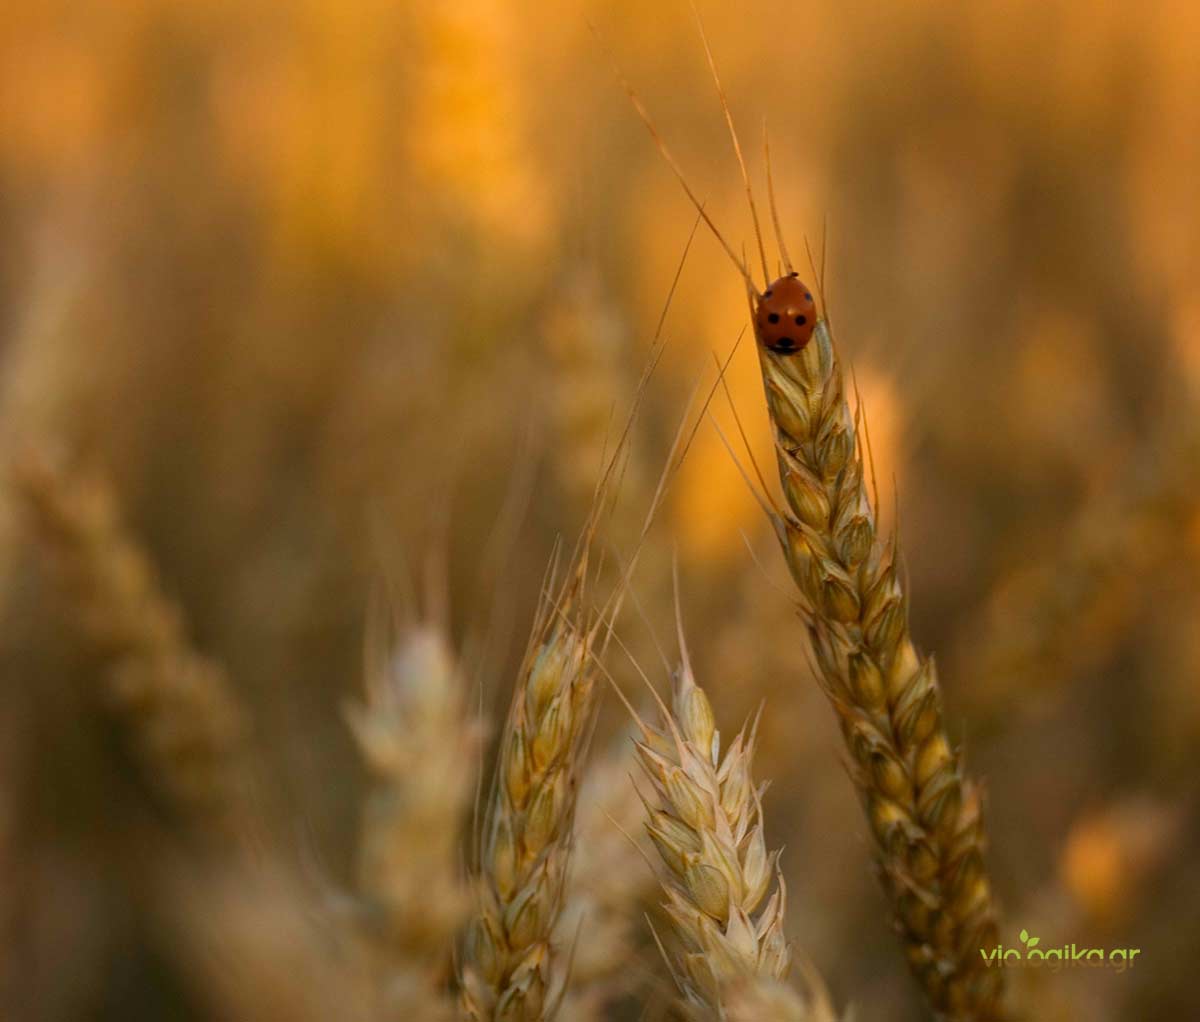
587 344
419 741
1055 617
610 888
248 937
183 717
924 814
725 896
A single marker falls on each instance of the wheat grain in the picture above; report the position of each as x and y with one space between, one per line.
923 812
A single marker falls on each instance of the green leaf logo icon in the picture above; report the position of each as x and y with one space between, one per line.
1034 941
1024 936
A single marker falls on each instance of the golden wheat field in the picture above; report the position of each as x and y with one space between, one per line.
445 578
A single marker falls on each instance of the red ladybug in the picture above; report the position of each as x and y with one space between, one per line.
785 315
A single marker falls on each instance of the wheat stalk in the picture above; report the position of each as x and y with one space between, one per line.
725 895
924 814
419 743
186 723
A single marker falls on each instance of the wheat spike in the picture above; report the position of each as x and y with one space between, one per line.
186 723
923 812
725 896
1057 616
254 945
511 972
609 889
419 743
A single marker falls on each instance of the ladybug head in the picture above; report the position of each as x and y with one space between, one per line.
785 315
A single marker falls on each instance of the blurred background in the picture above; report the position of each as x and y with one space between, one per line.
317 287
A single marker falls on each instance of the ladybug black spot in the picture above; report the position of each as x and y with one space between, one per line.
801 320
807 297
786 344
767 293
773 317
793 274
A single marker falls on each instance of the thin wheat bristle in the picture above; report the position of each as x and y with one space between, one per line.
725 893
186 723
923 812
419 743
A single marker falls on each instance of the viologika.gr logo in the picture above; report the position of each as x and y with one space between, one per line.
1069 956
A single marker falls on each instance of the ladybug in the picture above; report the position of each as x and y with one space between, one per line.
785 315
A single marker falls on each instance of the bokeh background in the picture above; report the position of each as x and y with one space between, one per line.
317 286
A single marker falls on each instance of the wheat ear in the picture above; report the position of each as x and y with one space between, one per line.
609 889
510 971
419 743
184 718
924 814
725 895
1057 616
